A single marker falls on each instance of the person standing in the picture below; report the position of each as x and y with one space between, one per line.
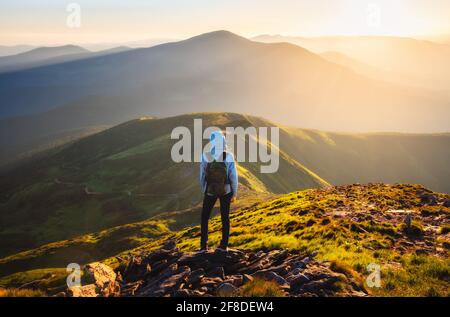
218 180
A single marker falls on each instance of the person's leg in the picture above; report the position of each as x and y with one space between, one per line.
208 205
225 216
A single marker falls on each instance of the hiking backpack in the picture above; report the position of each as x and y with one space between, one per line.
216 177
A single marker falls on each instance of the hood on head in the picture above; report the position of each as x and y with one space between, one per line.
218 142
216 136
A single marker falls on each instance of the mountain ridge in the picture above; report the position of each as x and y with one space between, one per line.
232 70
125 174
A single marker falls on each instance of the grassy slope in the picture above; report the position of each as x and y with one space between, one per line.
351 226
100 245
342 158
343 225
86 248
119 176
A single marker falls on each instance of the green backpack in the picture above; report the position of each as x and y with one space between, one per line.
216 177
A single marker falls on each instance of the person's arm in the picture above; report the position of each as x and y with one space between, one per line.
233 176
203 165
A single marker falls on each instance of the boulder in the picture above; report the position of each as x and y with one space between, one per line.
216 272
89 290
271 276
188 293
247 278
428 199
175 280
446 203
99 274
281 269
182 293
298 264
235 280
210 281
169 245
195 276
298 280
226 289
318 285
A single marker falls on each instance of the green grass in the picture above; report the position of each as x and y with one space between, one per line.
419 276
40 278
261 288
86 248
300 221
12 292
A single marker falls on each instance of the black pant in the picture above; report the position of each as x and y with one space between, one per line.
208 205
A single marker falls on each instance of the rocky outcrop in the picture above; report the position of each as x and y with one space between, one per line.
98 279
171 273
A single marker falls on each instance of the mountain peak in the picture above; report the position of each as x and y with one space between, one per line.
221 35
57 50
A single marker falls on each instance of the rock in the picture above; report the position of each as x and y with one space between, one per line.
98 280
247 278
318 285
421 251
296 271
298 264
428 199
166 273
169 271
195 276
235 280
182 293
210 281
98 274
174 281
89 290
216 272
159 255
408 221
131 288
187 293
169 245
236 266
259 254
278 255
298 280
282 269
446 203
306 261
226 289
271 276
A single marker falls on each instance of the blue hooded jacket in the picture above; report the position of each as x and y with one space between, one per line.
219 146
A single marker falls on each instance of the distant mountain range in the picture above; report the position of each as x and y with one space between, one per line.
403 61
15 49
43 56
217 71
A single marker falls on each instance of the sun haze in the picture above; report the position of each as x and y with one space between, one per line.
45 22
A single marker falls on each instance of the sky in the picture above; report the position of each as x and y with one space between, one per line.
53 22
